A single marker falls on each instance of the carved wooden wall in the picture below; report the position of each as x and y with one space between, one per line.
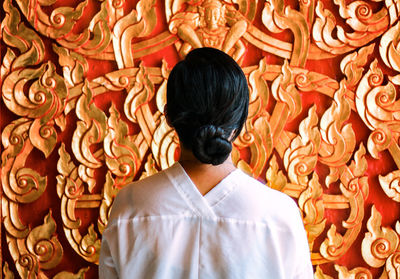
83 90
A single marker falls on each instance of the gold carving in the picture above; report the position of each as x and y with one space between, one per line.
70 275
379 242
53 82
358 272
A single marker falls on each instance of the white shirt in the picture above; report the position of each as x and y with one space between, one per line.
162 227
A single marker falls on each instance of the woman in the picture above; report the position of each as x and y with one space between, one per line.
202 217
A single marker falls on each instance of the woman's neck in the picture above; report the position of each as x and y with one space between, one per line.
204 176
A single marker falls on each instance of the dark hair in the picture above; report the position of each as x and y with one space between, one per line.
207 100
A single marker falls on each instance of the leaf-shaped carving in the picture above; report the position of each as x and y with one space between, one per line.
352 65
8 59
43 243
91 129
338 139
108 193
275 178
311 203
161 95
149 167
301 157
16 34
284 90
389 47
69 188
259 90
121 154
74 65
141 93
164 144
390 184
379 242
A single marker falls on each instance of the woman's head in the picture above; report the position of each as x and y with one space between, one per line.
207 103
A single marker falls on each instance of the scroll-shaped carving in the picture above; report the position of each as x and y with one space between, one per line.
392 267
333 241
70 275
120 150
90 130
46 96
389 47
58 24
359 15
379 242
43 243
278 17
355 189
390 184
378 108
352 65
356 273
338 139
20 184
69 188
366 26
302 155
311 203
40 248
319 274
16 34
94 39
89 245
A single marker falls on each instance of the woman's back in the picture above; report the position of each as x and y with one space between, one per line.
240 229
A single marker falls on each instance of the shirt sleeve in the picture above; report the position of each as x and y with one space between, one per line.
304 266
107 267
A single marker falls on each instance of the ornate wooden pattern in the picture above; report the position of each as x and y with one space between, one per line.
83 90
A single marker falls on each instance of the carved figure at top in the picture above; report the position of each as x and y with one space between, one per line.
209 23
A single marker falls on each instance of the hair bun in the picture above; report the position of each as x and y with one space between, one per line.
210 145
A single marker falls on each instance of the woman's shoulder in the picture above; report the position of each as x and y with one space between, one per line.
141 197
255 200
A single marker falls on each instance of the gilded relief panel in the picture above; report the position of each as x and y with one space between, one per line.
83 87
